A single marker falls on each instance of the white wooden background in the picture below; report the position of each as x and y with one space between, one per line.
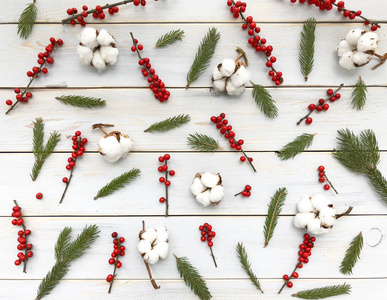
131 107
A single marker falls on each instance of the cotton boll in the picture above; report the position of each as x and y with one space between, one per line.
216 194
109 54
210 179
143 246
98 61
88 37
85 55
327 216
219 85
197 187
162 250
151 257
105 38
110 148
240 77
305 205
126 144
228 67
162 234
216 74
344 47
234 91
354 35
319 202
361 58
346 61
314 227
301 220
204 198
150 235
367 42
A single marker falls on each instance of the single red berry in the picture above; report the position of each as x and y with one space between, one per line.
167 157
119 264
203 238
114 234
17 262
312 106
203 233
14 222
161 159
248 188
321 168
109 278
302 246
167 183
321 179
313 239
374 27
16 208
306 260
326 187
172 173
30 253
300 265
39 196
65 179
242 158
122 240
329 92
210 244
8 102
111 261
162 200
285 277
309 120
20 222
290 284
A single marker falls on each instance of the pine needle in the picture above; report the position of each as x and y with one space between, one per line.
360 154
306 55
203 57
275 207
264 101
117 183
192 278
202 142
38 136
295 147
81 101
324 292
169 38
27 20
170 123
359 95
244 259
65 253
352 255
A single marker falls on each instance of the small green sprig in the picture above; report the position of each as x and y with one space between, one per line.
352 255
264 101
169 38
244 259
306 55
202 142
298 145
324 292
81 101
27 20
359 95
170 123
117 183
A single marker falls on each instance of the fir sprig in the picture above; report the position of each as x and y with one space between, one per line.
170 123
264 101
360 154
306 55
169 38
27 20
202 142
41 152
192 278
275 207
117 183
65 253
244 259
295 147
203 57
352 255
324 292
359 95
81 101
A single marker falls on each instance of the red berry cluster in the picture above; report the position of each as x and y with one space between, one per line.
97 13
119 250
164 168
155 83
226 129
79 148
350 14
303 254
22 239
43 58
321 105
255 40
207 234
246 192
322 177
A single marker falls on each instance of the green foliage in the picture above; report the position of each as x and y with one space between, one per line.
202 142
295 147
169 38
203 57
192 278
275 207
117 183
27 20
81 101
265 101
359 95
170 123
244 259
306 55
352 255
324 292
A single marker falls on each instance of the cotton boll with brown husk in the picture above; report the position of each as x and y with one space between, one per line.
153 244
227 67
346 61
344 47
368 42
360 58
207 188
354 35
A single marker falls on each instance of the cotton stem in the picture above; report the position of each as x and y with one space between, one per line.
346 213
101 127
383 59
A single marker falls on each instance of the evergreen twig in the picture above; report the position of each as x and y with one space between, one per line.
324 292
244 259
81 101
203 57
359 95
298 145
192 278
306 55
202 142
275 207
27 20
117 183
170 123
169 38
352 255
264 101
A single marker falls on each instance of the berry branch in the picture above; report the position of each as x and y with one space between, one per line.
207 235
323 176
164 159
118 251
246 192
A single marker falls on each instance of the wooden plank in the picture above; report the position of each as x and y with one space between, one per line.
93 172
327 255
173 63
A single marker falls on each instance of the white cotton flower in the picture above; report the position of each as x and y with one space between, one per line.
314 227
88 37
344 47
216 74
204 198
234 91
150 234
153 244
305 205
152 257
126 143
228 67
220 85
109 54
301 220
319 202
85 54
110 148
208 189
368 42
162 234
353 36
217 193
162 250
361 58
240 77
143 246
105 38
327 216
346 61
210 179
197 187
98 61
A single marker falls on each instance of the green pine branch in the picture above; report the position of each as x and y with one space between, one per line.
169 38
264 101
170 123
244 259
203 57
202 142
65 253
306 55
275 207
324 292
352 255
192 278
359 95
27 20
117 183
360 154
81 101
41 152
298 145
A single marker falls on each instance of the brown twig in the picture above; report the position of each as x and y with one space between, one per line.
166 191
286 281
101 127
251 164
346 213
383 59
330 183
213 257
242 53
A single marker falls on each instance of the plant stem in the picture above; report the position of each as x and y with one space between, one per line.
154 284
101 126
286 281
25 249
91 11
244 153
242 53
309 113
238 194
166 191
346 213
383 59
213 257
330 183
115 267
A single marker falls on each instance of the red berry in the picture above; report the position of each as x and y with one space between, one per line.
285 277
109 278
114 234
306 260
167 183
8 102
302 246
300 265
17 262
312 106
313 239
167 157
250 159
203 238
329 92
210 244
30 253
172 172
161 159
374 27
290 284
321 179
39 196
306 236
20 222
65 179
122 240
14 222
309 120
140 47
242 158
321 168
162 179
326 187
162 200
111 261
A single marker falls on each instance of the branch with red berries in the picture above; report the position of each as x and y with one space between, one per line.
323 176
119 250
246 192
207 235
43 58
164 168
